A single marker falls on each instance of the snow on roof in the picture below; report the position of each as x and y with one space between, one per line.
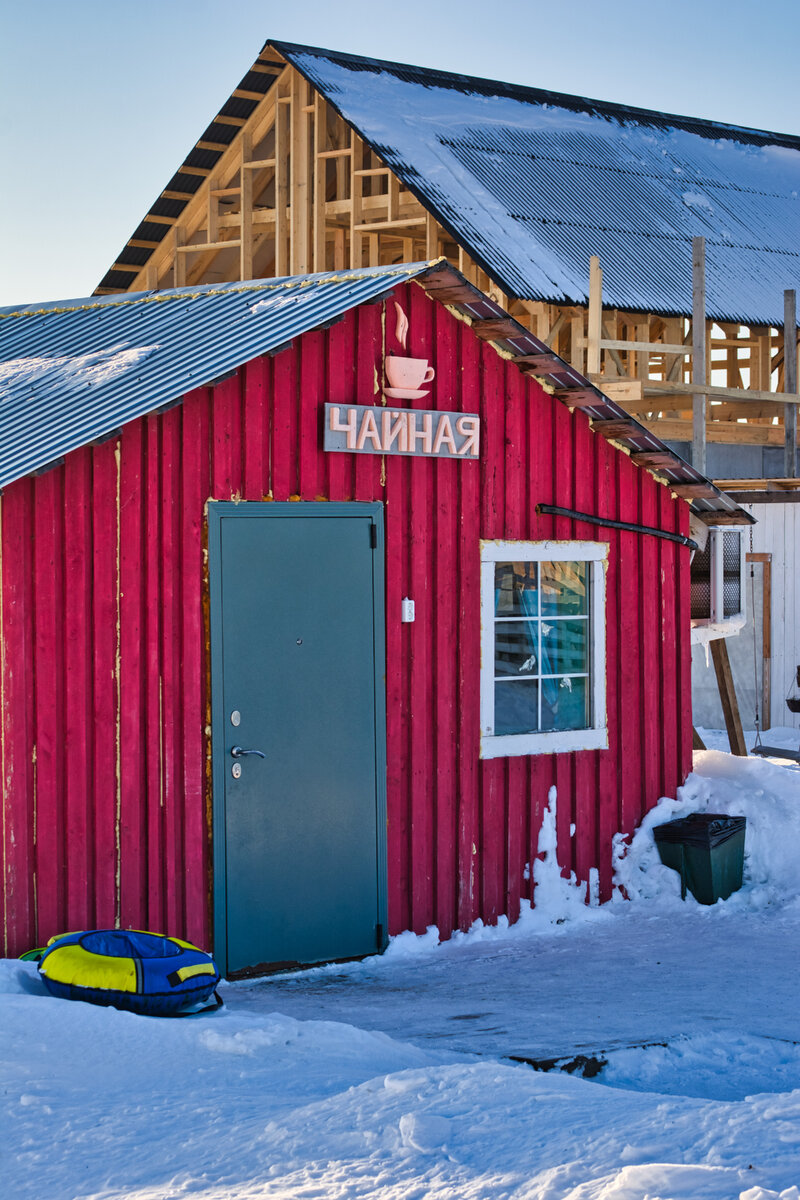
71 373
532 183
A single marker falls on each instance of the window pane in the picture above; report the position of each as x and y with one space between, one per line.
564 647
564 588
515 589
516 706
515 651
565 704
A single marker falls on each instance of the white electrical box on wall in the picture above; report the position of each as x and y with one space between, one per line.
407 611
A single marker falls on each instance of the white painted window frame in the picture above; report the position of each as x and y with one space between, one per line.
595 554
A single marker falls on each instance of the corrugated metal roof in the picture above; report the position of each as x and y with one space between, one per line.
73 371
532 183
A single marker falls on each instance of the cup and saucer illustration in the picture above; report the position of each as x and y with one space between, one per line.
406 375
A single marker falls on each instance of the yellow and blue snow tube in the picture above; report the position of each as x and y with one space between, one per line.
146 973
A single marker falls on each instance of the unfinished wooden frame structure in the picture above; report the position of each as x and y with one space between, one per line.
298 191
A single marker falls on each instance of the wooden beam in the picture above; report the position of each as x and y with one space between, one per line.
699 352
247 181
766 633
595 320
790 381
578 397
654 458
656 387
757 485
499 328
727 694
693 491
545 364
617 429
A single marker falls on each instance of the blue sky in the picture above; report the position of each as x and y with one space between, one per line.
101 99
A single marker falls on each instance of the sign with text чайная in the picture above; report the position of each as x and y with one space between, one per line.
365 429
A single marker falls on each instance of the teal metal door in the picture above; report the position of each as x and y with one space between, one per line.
298 732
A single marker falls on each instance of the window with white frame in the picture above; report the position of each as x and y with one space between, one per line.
543 677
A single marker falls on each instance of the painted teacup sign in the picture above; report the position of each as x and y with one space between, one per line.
362 429
407 374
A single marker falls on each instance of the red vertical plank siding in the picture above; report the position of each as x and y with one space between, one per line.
445 633
104 666
133 799
49 703
16 694
584 801
491 846
284 429
194 491
467 592
516 797
171 633
105 644
154 684
667 679
78 742
609 768
421 716
255 431
313 377
629 641
649 663
684 648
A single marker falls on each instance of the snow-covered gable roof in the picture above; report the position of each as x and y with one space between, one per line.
74 371
532 183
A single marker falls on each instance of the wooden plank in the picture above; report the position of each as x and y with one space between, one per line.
579 397
693 491
655 458
282 141
699 375
300 183
497 328
356 201
790 381
320 174
617 429
659 387
644 347
595 316
247 181
765 560
727 695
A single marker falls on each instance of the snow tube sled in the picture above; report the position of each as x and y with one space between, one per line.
145 973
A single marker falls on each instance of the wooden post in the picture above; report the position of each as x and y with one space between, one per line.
727 694
766 633
790 382
246 184
595 325
699 352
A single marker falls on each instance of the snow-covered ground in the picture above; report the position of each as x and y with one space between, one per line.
398 1077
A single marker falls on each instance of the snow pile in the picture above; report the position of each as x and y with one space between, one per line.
71 371
766 794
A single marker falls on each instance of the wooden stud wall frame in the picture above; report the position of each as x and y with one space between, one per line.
298 191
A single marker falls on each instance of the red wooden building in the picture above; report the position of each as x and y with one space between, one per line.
211 519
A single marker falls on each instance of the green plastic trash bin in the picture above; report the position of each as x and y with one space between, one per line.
707 850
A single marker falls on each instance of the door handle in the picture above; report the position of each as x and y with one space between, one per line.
238 752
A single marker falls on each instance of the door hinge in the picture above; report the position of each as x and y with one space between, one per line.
373 536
